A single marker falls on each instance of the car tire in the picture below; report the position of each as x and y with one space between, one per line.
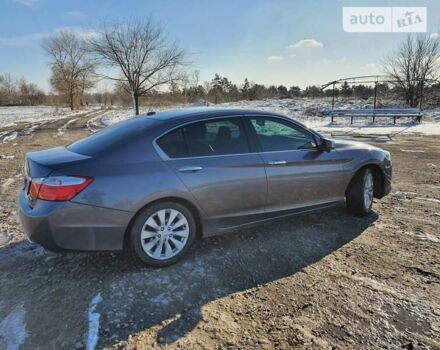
359 195
158 242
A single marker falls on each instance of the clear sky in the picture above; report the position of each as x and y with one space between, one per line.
290 42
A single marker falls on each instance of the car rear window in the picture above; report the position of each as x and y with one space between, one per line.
112 135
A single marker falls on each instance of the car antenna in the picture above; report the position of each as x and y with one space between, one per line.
151 113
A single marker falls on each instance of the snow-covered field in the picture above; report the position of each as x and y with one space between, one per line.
120 114
307 111
17 114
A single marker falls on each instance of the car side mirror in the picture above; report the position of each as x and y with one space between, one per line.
327 145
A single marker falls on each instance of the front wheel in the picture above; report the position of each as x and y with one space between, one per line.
359 196
162 233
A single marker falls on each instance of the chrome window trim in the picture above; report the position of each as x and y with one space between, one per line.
164 156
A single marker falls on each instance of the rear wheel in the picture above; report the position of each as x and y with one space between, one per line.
162 233
359 196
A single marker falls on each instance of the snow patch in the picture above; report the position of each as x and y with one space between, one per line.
423 236
5 185
398 193
92 336
13 328
4 156
374 284
412 151
12 115
106 120
11 137
63 129
428 200
95 124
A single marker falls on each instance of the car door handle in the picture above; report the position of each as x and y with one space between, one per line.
190 169
277 162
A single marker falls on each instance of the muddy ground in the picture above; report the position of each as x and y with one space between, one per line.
320 281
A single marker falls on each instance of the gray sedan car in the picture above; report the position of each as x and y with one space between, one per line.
155 183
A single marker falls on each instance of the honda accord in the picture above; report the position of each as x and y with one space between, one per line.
155 183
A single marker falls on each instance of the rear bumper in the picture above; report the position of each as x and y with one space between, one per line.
59 226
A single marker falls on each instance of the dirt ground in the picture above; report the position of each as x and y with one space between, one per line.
327 280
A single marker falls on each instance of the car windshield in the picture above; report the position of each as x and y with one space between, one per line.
115 134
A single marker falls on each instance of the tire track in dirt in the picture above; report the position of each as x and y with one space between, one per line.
10 133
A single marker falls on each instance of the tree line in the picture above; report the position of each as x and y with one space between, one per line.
19 92
145 65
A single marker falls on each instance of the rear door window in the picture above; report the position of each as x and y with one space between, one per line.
206 138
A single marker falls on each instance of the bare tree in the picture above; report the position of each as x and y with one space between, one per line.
415 61
190 82
86 83
71 64
8 85
141 51
29 93
195 78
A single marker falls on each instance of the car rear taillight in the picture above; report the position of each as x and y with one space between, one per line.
58 188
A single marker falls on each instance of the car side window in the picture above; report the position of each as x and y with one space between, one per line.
173 144
216 137
206 138
279 135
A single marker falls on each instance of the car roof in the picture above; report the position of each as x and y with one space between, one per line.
184 115
197 113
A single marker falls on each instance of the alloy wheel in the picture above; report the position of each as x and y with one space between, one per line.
164 234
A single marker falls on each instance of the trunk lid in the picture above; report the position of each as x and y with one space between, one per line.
42 163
